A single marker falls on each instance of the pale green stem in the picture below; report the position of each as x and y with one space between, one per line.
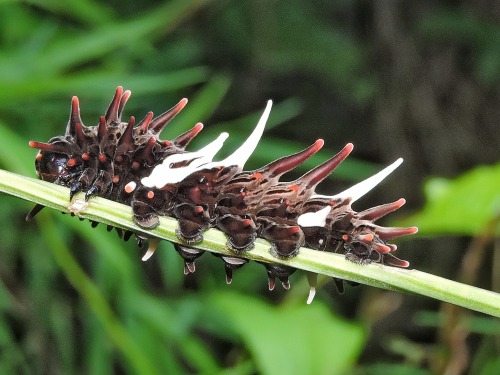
335 265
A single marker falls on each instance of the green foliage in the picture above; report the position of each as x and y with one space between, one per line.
465 205
272 334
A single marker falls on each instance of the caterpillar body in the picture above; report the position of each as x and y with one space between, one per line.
130 164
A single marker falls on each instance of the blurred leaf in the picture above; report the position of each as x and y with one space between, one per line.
14 153
492 367
465 205
202 105
86 11
5 302
30 71
102 83
65 336
111 250
12 358
77 50
296 339
97 348
161 326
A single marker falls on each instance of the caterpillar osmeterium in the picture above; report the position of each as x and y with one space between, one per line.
130 164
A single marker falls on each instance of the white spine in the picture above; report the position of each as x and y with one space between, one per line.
243 153
362 188
165 174
314 219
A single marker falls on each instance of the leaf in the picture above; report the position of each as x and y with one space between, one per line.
14 153
465 205
291 339
86 11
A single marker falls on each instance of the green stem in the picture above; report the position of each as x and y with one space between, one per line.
391 278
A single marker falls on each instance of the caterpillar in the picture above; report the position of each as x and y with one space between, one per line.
129 163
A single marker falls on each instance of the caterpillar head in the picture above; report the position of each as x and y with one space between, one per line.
51 166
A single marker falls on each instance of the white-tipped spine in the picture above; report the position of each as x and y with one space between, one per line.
243 153
357 191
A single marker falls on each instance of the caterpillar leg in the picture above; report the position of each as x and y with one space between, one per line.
101 186
231 263
278 271
143 216
193 221
240 232
148 204
189 255
285 239
83 183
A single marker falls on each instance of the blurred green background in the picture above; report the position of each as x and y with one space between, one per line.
397 78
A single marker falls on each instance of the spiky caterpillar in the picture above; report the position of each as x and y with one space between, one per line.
128 163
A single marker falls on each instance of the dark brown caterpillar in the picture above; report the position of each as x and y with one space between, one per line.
128 163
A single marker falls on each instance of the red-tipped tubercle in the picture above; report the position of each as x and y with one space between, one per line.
123 100
159 122
47 147
75 113
389 233
382 249
366 237
287 163
377 212
393 261
112 112
143 126
247 222
39 145
318 174
393 247
183 140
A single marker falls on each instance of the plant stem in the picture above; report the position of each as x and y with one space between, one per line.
335 265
